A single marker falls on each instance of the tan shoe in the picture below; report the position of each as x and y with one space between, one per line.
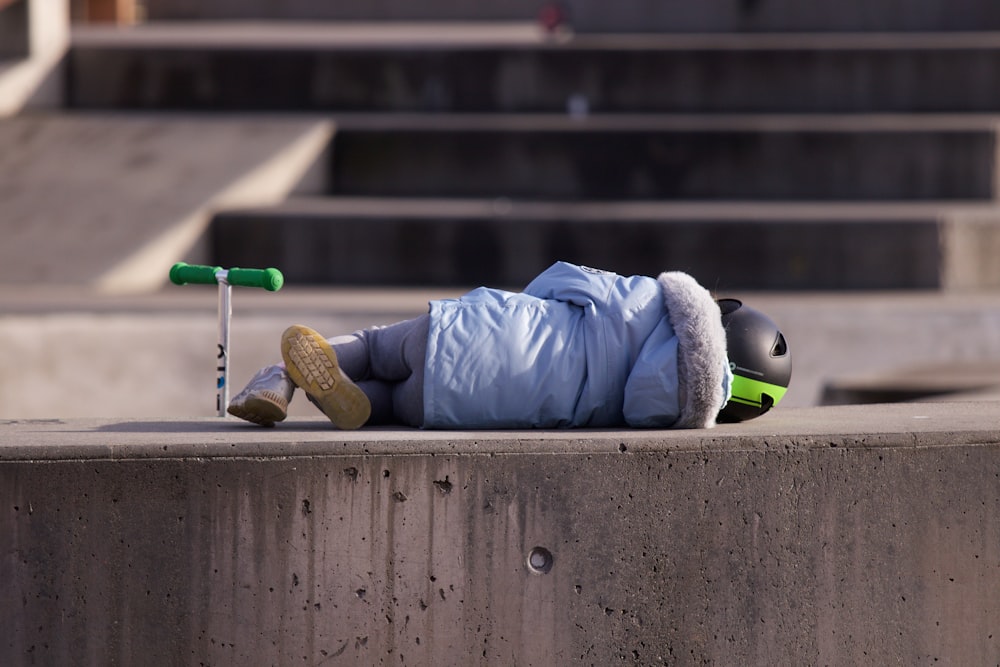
312 365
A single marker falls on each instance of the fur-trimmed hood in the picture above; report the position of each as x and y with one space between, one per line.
701 357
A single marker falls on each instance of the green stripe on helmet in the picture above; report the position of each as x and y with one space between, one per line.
749 391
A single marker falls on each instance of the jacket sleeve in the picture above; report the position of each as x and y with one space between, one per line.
652 397
578 285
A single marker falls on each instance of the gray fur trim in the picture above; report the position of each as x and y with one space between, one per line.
701 354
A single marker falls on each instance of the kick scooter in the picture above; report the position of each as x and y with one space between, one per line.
269 279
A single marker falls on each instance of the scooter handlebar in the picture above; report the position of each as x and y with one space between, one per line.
269 279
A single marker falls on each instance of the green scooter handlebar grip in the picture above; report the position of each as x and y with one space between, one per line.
182 274
269 279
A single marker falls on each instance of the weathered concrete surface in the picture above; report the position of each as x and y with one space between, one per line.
815 536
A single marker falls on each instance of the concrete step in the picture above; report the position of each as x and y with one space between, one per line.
625 15
651 157
515 68
737 245
646 16
952 381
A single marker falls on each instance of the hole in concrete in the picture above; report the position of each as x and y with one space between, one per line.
443 486
539 560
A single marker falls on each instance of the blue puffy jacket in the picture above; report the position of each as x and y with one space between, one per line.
579 347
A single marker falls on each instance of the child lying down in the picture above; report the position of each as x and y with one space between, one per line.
579 347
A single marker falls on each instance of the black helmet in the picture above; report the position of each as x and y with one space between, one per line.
759 359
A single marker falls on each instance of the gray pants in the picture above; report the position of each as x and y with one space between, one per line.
387 363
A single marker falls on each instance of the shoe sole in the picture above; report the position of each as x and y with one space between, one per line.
312 365
264 409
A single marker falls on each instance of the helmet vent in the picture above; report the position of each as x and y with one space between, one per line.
728 306
780 348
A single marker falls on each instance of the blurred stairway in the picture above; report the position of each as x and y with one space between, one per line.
477 153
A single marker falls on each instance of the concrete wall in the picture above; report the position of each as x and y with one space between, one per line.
820 536
34 38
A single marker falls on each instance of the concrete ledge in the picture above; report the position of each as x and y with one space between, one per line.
882 425
926 381
813 245
863 535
